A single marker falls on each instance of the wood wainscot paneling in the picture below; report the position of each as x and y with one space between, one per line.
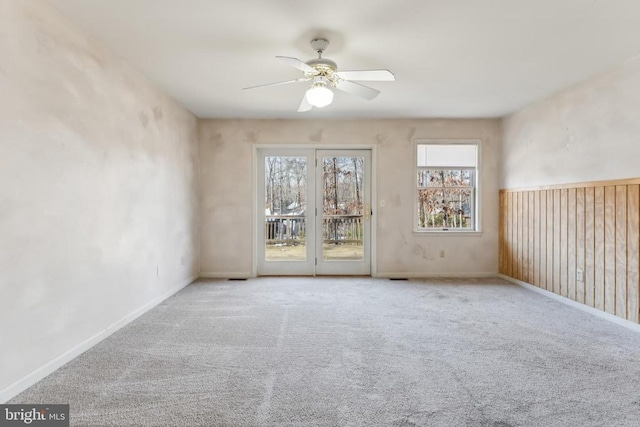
580 241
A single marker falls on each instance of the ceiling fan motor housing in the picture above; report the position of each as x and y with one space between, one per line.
323 67
322 63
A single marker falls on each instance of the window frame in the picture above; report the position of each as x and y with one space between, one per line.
475 208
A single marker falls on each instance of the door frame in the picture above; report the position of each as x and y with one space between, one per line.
254 193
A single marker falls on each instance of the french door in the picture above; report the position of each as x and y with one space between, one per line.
314 212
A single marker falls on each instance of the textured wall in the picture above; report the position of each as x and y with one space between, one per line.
98 196
585 133
226 150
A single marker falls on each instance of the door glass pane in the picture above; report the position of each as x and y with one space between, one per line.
342 208
285 208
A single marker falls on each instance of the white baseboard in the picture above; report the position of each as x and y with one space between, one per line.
594 311
30 379
395 275
382 275
225 275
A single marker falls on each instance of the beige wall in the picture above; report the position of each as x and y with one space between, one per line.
98 197
586 133
226 175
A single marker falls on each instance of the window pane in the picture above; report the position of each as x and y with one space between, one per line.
443 155
342 208
444 178
285 208
445 208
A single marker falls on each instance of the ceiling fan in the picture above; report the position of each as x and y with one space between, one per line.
324 75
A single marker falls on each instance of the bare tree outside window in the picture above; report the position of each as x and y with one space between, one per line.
285 207
446 186
342 208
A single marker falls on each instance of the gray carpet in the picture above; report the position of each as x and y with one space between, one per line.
355 352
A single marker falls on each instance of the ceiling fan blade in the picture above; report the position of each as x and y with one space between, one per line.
304 105
368 75
301 79
296 63
365 92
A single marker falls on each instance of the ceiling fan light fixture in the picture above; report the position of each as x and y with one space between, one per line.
319 95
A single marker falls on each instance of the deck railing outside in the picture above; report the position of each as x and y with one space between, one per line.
342 229
291 230
286 230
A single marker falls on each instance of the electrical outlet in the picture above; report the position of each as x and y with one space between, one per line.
442 254
579 275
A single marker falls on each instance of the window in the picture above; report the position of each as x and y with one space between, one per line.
446 186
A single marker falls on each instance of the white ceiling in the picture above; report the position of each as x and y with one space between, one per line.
451 58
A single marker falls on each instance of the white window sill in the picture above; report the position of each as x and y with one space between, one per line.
452 233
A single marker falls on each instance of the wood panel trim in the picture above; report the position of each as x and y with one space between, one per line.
580 243
589 246
612 182
549 236
633 253
610 249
